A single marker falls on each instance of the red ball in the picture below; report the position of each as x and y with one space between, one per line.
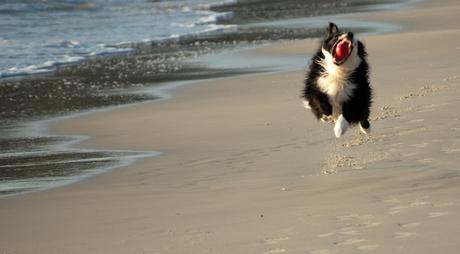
342 49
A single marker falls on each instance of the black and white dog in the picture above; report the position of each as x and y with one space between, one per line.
337 85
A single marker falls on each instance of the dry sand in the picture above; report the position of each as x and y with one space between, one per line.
246 169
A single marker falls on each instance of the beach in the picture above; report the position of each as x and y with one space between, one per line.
244 168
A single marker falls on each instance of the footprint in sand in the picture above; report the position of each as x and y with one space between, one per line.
410 224
394 212
390 200
398 209
322 251
368 247
350 232
367 224
404 234
276 240
443 204
426 160
451 78
451 150
356 221
411 131
420 145
409 154
420 203
416 121
437 214
347 217
366 217
277 251
326 234
350 241
353 216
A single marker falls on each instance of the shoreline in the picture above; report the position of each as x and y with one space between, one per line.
288 185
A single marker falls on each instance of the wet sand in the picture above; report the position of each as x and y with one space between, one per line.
245 169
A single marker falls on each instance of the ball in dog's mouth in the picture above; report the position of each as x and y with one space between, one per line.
342 50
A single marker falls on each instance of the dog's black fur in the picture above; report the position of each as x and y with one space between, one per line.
356 103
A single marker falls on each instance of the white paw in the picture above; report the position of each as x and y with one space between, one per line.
364 130
306 104
341 126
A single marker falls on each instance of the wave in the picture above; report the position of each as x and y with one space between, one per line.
43 68
50 66
214 18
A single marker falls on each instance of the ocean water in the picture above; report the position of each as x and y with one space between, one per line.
35 36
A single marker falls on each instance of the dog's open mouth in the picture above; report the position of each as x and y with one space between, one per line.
342 50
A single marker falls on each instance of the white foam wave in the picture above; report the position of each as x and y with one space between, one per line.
219 28
184 25
213 18
186 9
70 43
206 18
50 65
45 67
211 28
6 42
28 70
69 59
108 50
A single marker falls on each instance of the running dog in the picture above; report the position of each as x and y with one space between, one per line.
337 87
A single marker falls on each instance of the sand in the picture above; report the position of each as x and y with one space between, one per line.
246 169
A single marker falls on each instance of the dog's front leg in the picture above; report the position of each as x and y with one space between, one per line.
341 126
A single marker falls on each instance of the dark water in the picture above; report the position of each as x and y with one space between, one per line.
31 159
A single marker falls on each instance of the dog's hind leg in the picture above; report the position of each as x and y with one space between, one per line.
318 104
357 111
365 126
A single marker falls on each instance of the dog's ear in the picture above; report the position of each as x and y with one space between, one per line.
332 29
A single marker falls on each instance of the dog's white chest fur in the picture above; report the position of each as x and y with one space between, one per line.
335 83
338 89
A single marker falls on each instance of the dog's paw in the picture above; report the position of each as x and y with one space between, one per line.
364 130
306 104
341 126
365 127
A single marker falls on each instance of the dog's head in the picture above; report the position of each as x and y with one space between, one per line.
340 49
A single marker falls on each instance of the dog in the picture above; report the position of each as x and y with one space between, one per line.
337 87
